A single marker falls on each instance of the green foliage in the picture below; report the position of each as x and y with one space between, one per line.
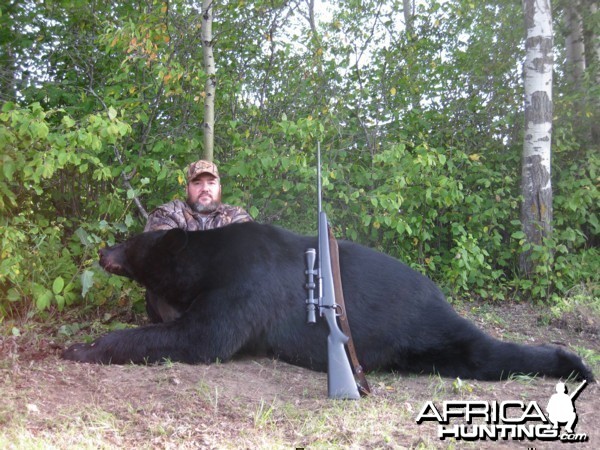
46 255
276 183
420 132
574 256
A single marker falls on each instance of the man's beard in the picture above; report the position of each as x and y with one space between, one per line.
203 209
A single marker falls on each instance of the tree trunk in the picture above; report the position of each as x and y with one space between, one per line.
575 51
536 186
211 82
592 37
575 65
408 11
592 54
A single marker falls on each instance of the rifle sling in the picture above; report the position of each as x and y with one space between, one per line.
363 385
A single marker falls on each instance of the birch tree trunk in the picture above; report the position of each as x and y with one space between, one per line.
211 82
536 186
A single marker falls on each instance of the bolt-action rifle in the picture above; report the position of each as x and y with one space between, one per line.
322 283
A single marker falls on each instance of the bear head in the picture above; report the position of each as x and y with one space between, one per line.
146 258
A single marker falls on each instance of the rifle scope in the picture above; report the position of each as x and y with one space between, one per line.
311 302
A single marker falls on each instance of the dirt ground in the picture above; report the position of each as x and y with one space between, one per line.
262 403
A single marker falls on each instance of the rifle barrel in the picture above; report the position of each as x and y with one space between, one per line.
319 187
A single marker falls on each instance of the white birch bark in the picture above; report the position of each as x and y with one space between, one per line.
211 82
536 186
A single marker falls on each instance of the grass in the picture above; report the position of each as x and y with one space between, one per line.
245 404
197 417
89 429
209 394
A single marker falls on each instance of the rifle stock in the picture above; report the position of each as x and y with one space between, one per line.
340 379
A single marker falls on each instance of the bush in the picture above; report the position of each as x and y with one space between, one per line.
47 257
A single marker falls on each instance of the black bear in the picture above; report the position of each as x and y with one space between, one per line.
242 287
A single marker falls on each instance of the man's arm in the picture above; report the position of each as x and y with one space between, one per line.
166 217
239 215
159 222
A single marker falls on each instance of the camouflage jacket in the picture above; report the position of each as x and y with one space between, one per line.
178 214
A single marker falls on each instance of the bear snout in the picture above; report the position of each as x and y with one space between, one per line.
109 261
104 260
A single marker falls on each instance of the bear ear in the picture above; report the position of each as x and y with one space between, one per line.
173 241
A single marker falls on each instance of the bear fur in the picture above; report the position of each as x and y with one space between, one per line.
242 287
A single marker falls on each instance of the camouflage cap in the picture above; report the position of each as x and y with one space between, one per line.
197 168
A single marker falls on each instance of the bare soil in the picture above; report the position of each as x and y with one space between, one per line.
47 402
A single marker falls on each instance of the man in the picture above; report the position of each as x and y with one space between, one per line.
561 408
202 210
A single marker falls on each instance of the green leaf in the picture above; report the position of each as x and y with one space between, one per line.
8 106
129 222
112 113
87 281
123 128
60 302
48 169
83 236
13 295
8 168
39 130
43 299
68 122
62 157
58 285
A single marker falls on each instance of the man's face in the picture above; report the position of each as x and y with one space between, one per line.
204 193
